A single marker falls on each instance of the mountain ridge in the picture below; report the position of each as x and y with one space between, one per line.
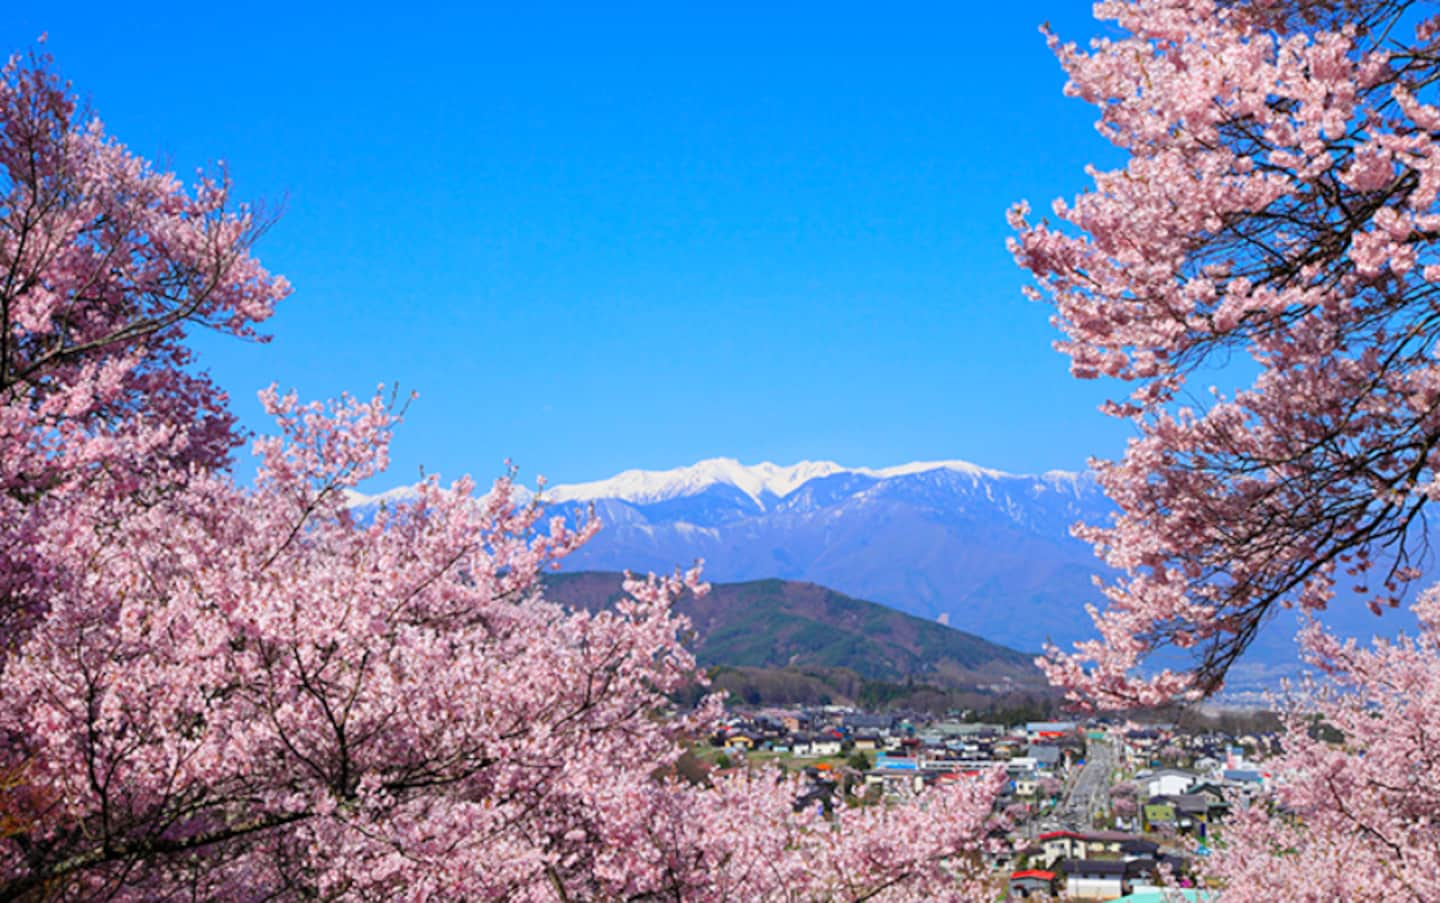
755 480
987 549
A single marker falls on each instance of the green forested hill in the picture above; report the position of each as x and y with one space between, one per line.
771 624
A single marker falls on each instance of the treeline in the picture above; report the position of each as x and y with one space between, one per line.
842 686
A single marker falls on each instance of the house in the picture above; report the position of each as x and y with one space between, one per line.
1159 815
861 721
1105 844
1105 879
1032 883
815 746
1187 813
868 741
1046 758
1048 730
1139 848
826 746
1215 792
740 741
1058 845
1169 782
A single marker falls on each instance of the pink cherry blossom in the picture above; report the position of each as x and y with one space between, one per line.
1354 813
214 691
1278 207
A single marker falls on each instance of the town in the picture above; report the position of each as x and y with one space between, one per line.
1096 810
770 453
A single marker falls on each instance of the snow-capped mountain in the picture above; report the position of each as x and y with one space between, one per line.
989 551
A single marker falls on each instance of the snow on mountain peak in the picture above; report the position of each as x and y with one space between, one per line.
644 486
757 481
914 467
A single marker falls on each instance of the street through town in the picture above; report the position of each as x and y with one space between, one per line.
1089 795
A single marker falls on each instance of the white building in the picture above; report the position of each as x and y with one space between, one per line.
1169 782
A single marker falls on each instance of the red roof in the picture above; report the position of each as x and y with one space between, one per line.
1033 873
1054 834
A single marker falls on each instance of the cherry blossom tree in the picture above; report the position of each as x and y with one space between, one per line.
1048 787
1124 807
213 690
1354 819
104 266
1277 208
1124 802
1275 221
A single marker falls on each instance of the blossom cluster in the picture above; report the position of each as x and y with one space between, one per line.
1277 213
217 691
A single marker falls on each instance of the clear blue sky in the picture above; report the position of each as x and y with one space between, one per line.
595 238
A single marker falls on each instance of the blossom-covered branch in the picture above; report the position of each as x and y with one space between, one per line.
1278 205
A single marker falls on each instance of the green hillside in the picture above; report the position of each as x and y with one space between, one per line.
770 624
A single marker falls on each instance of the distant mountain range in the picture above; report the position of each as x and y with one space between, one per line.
984 550
987 551
980 549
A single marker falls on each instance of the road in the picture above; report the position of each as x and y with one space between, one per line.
1089 795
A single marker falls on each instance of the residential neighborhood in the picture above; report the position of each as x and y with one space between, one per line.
1092 810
